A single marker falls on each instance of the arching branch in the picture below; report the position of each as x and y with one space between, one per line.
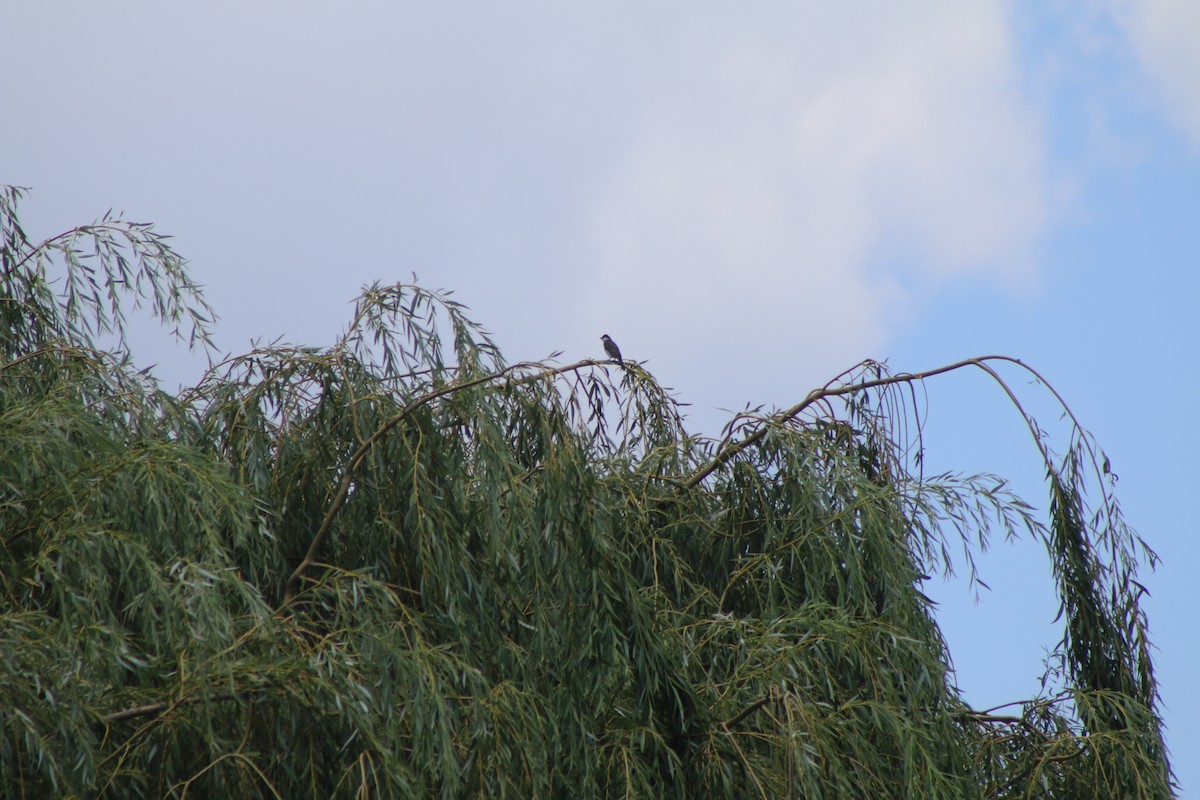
542 372
729 451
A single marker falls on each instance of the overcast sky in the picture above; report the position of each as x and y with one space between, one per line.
750 197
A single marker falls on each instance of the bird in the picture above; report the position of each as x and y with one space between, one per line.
611 348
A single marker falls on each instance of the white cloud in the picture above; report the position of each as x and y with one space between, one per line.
1164 34
781 155
764 186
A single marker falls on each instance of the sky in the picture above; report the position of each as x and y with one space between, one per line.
750 198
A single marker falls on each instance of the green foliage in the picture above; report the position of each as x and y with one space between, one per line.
399 567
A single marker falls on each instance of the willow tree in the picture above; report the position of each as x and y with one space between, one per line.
398 566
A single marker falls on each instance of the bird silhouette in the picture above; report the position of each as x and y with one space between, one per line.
611 348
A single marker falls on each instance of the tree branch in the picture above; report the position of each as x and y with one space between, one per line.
359 456
747 711
818 395
150 709
1004 719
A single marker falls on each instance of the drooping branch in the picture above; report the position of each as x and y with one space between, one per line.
729 451
359 456
131 259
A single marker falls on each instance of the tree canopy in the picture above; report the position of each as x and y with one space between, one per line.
398 566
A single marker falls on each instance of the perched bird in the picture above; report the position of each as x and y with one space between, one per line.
611 348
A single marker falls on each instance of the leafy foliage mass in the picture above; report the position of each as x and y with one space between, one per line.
400 567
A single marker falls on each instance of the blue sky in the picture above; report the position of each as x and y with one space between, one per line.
750 197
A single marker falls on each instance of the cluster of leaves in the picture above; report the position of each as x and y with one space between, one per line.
400 567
